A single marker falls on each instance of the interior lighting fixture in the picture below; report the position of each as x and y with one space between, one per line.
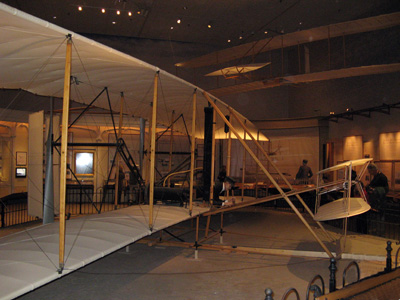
103 10
172 27
332 113
179 21
118 12
240 37
54 17
80 8
114 22
265 32
229 41
130 13
209 26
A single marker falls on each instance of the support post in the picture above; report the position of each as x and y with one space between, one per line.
171 146
48 208
64 150
120 123
196 244
153 151
243 166
192 148
281 192
332 276
389 249
212 158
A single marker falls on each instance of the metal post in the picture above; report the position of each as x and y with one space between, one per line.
192 149
332 277
388 257
268 294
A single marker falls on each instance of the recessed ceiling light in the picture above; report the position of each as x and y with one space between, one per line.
266 32
114 22
54 17
129 13
80 8
138 12
240 37
229 41
118 12
172 27
103 10
179 21
209 26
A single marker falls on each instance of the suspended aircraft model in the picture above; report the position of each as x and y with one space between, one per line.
237 71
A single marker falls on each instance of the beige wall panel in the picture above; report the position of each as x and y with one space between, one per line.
35 165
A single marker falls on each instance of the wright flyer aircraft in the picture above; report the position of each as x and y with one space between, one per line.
47 60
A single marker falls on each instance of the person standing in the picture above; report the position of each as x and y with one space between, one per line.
304 174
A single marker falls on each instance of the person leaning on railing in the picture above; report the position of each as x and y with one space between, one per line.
377 188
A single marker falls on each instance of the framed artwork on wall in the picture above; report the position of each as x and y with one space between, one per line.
21 158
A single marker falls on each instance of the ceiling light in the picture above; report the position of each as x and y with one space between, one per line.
118 12
80 8
332 113
240 37
172 27
209 26
129 13
54 17
266 32
178 21
114 22
103 10
138 12
229 41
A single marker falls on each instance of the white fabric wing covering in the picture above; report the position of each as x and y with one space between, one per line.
33 55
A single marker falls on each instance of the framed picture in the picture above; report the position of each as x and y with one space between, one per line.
21 158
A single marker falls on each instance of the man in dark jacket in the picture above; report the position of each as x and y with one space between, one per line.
221 188
304 174
377 188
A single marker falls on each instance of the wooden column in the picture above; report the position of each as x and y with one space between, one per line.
192 148
243 166
281 192
117 157
64 150
171 146
153 151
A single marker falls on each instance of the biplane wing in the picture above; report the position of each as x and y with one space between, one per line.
237 70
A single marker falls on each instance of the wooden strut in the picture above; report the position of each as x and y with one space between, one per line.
243 167
259 147
171 146
153 151
192 150
282 193
120 123
228 160
64 145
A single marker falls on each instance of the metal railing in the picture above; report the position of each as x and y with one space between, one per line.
80 200
319 290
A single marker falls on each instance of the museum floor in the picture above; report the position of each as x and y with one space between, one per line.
151 270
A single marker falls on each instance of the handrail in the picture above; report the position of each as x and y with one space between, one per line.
289 291
184 171
347 268
311 284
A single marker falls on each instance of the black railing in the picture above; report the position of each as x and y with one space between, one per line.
80 199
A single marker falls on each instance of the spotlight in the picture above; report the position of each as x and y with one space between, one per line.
138 12
172 27
209 26
54 17
265 32
103 10
240 37
130 14
118 12
80 8
229 41
114 22
178 21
